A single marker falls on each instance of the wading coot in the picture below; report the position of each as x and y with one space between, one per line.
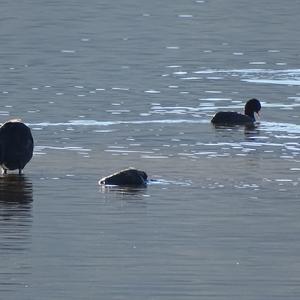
233 118
16 146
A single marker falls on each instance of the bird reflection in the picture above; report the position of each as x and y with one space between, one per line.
15 190
248 130
124 190
251 132
133 195
15 212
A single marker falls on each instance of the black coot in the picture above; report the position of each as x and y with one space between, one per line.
233 118
127 177
16 146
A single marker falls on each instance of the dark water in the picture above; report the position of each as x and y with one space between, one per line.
106 85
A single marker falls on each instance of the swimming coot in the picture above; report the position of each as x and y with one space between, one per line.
16 146
127 177
233 118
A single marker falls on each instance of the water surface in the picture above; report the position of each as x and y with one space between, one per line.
107 85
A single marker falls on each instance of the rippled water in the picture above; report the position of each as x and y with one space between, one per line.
111 84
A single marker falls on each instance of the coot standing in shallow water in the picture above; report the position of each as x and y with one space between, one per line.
16 146
233 118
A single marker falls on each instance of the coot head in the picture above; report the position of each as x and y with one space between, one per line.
252 106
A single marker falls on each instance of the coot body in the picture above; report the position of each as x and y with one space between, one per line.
127 177
16 146
233 118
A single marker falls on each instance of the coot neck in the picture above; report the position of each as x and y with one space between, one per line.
250 113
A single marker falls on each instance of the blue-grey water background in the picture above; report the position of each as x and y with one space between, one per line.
106 85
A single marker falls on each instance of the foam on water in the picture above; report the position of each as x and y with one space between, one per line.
279 127
268 138
273 81
41 148
269 76
111 123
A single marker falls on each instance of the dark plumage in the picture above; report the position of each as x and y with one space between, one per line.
127 177
233 118
16 146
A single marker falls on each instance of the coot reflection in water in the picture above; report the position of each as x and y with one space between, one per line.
16 198
15 190
124 191
15 213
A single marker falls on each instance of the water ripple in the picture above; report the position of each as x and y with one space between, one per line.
110 123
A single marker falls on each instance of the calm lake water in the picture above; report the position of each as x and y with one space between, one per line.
106 85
